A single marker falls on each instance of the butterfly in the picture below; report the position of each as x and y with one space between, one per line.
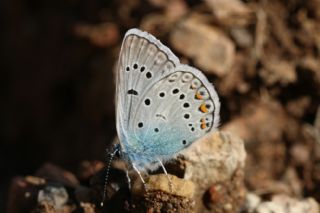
162 106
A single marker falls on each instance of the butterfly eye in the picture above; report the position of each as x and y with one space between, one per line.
186 77
174 76
195 83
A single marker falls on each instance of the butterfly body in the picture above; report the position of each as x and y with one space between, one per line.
162 106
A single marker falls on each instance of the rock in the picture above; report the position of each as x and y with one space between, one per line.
278 71
57 174
212 172
263 134
101 35
242 37
23 193
158 201
211 50
88 168
252 202
299 107
88 207
161 196
179 187
281 204
231 12
215 164
285 204
56 196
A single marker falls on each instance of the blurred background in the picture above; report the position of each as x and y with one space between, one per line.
263 57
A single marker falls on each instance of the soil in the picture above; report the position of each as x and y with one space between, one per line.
57 108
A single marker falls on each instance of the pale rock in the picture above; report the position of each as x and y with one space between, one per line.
286 204
180 187
211 50
217 160
56 196
231 12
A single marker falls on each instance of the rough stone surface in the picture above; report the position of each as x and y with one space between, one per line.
210 48
215 164
281 204
158 201
178 187
212 171
56 196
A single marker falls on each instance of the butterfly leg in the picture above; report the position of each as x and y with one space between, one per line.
128 179
144 183
165 171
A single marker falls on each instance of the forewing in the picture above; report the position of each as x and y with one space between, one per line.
143 61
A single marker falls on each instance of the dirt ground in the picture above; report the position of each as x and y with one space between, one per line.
263 57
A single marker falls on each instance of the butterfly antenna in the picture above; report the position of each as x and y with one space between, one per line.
112 154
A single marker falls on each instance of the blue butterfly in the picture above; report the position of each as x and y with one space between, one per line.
162 106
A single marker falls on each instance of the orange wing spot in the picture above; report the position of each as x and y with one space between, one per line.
198 96
203 108
203 123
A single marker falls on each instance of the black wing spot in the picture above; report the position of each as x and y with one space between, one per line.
184 142
175 91
132 92
162 94
186 105
140 124
148 75
127 69
142 68
135 66
181 96
156 130
147 102
192 129
186 116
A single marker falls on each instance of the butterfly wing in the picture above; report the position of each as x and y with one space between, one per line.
162 106
178 109
143 61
